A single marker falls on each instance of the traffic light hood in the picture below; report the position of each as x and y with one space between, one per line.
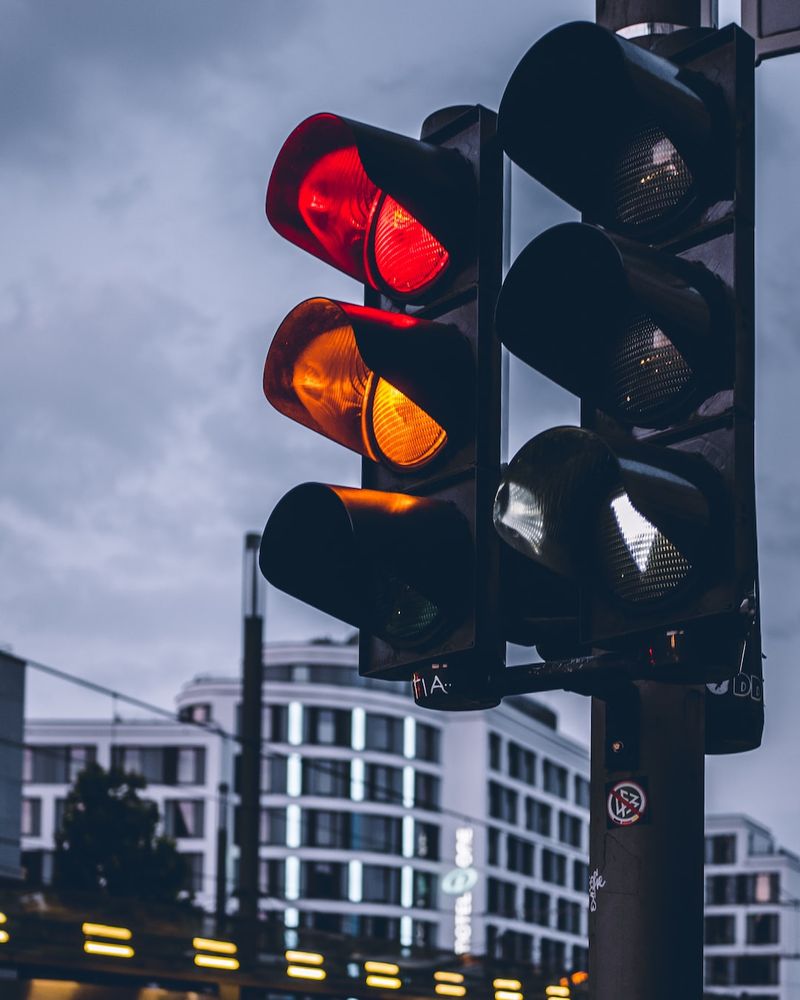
388 210
623 135
392 564
354 374
634 331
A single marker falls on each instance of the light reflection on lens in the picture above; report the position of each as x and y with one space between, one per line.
642 564
650 177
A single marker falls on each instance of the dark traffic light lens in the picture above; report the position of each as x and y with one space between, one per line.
650 379
408 257
403 616
650 178
640 562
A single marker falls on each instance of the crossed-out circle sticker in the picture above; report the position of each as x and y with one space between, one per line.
626 802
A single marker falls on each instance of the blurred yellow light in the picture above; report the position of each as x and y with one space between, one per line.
507 984
209 944
388 968
3 918
507 995
107 931
448 977
579 977
4 937
450 990
384 982
216 962
305 972
556 991
305 957
113 950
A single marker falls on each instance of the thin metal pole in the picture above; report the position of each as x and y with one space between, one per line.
252 710
220 902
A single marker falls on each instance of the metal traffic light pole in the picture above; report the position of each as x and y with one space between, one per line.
647 762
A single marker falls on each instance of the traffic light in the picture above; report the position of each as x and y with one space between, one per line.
410 381
645 311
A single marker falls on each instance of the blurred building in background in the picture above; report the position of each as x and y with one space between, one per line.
380 820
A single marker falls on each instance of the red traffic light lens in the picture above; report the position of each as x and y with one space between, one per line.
335 199
408 258
323 197
315 374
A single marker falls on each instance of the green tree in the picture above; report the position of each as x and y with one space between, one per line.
107 841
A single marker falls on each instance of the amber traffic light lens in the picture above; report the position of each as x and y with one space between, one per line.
650 178
408 257
404 434
315 374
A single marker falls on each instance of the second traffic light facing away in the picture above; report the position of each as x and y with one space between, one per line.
648 508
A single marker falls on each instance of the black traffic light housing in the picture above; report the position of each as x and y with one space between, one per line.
644 310
410 380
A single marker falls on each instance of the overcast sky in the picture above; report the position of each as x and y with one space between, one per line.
140 286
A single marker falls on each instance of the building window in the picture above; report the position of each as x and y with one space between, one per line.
502 897
326 828
537 907
424 891
494 845
719 930
762 928
580 876
328 726
502 802
379 834
273 775
555 779
759 843
273 827
521 763
538 817
426 791
59 807
55 765
720 850
494 751
184 818
326 777
756 970
554 867
383 784
719 970
384 733
519 855
582 792
428 744
426 840
729 890
195 713
163 765
552 957
276 724
31 825
323 880
580 958
569 829
568 916
381 884
194 871
272 877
